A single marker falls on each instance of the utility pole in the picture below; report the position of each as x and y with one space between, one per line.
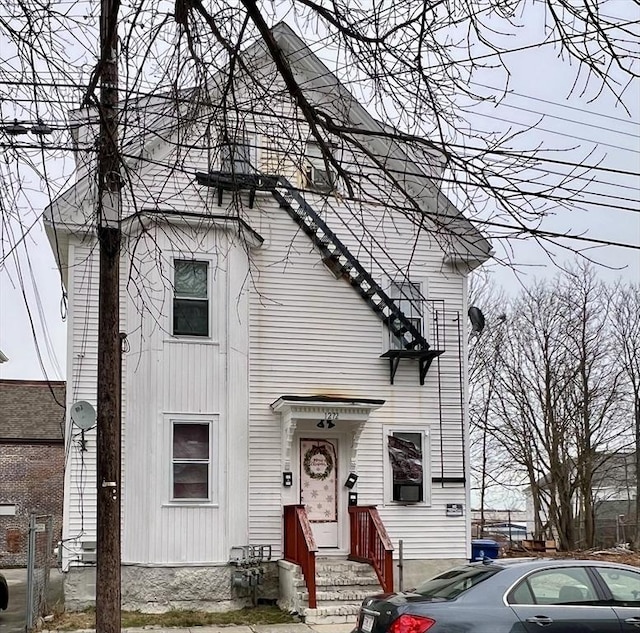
109 344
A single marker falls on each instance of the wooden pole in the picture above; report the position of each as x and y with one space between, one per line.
109 345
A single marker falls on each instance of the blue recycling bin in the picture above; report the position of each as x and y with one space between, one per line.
484 547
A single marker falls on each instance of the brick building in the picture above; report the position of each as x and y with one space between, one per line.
31 461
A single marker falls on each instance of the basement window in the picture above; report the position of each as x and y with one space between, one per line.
191 298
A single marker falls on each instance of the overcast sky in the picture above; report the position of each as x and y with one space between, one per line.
540 94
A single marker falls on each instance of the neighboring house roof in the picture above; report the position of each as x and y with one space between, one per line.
614 469
32 410
609 470
457 236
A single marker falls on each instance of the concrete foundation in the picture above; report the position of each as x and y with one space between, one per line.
160 589
416 571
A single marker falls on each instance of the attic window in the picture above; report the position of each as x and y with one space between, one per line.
317 176
237 155
318 179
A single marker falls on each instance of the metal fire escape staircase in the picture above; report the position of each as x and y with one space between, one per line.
344 265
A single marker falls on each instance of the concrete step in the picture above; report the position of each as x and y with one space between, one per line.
331 614
341 586
353 595
341 565
341 581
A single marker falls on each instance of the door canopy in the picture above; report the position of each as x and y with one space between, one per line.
344 414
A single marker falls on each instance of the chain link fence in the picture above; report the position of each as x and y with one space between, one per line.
39 558
615 531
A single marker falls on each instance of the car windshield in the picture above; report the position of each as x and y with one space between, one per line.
452 583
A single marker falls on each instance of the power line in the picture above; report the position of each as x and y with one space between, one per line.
556 133
557 104
465 147
451 180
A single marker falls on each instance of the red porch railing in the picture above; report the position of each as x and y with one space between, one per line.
300 547
370 543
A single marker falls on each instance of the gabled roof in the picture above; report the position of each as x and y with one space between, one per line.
32 410
321 87
457 236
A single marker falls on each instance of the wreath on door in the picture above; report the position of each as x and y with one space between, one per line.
310 454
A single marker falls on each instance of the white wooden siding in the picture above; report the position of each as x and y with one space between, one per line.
172 376
312 334
287 328
79 521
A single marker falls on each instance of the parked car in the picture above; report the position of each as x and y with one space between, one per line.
4 593
513 595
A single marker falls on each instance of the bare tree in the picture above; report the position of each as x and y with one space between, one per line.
417 66
529 416
550 399
625 320
595 394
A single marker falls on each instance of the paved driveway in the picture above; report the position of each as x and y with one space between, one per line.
13 619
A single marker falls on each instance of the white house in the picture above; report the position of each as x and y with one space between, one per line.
613 491
295 371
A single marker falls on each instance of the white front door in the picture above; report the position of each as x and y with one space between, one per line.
319 488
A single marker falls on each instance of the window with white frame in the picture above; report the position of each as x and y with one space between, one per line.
191 463
317 175
409 298
191 298
237 154
407 452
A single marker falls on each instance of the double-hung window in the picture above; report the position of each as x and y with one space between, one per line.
191 460
317 176
409 299
407 452
237 155
191 298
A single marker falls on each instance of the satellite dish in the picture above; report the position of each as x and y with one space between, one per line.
83 415
477 319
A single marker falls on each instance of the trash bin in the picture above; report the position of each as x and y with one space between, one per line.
484 547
